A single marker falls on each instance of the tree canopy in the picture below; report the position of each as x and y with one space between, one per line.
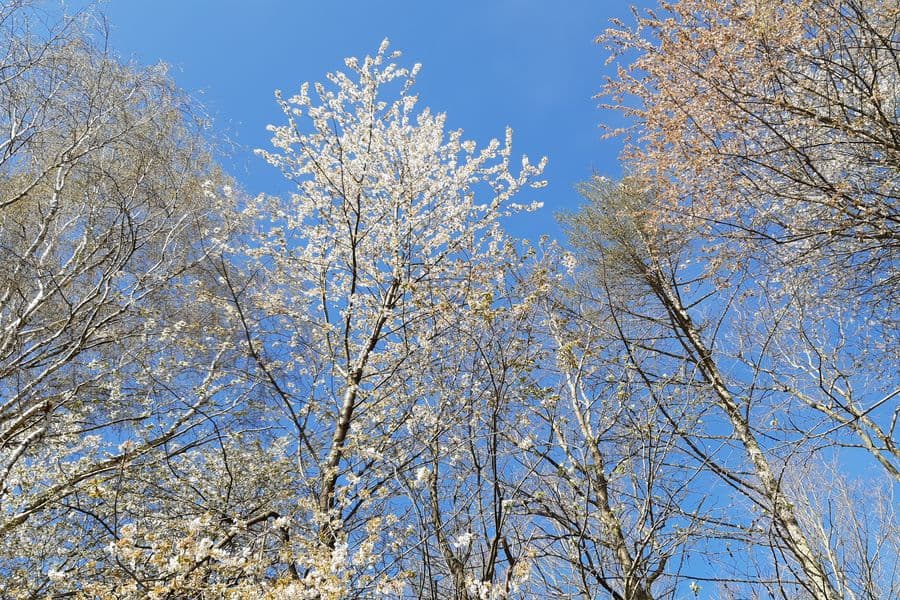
368 388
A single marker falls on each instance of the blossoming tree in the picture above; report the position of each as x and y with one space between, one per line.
391 236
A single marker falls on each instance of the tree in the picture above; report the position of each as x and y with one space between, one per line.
770 133
476 536
755 237
625 253
109 202
774 131
774 128
612 488
391 244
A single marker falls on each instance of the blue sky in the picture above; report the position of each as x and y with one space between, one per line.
529 64
525 63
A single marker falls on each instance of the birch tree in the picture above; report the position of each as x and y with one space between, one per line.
731 410
615 488
109 200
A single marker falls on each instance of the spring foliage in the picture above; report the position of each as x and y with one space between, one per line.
366 388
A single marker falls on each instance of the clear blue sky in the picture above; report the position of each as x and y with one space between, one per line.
526 63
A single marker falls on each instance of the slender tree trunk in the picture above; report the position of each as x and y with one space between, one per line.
780 507
633 587
332 463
